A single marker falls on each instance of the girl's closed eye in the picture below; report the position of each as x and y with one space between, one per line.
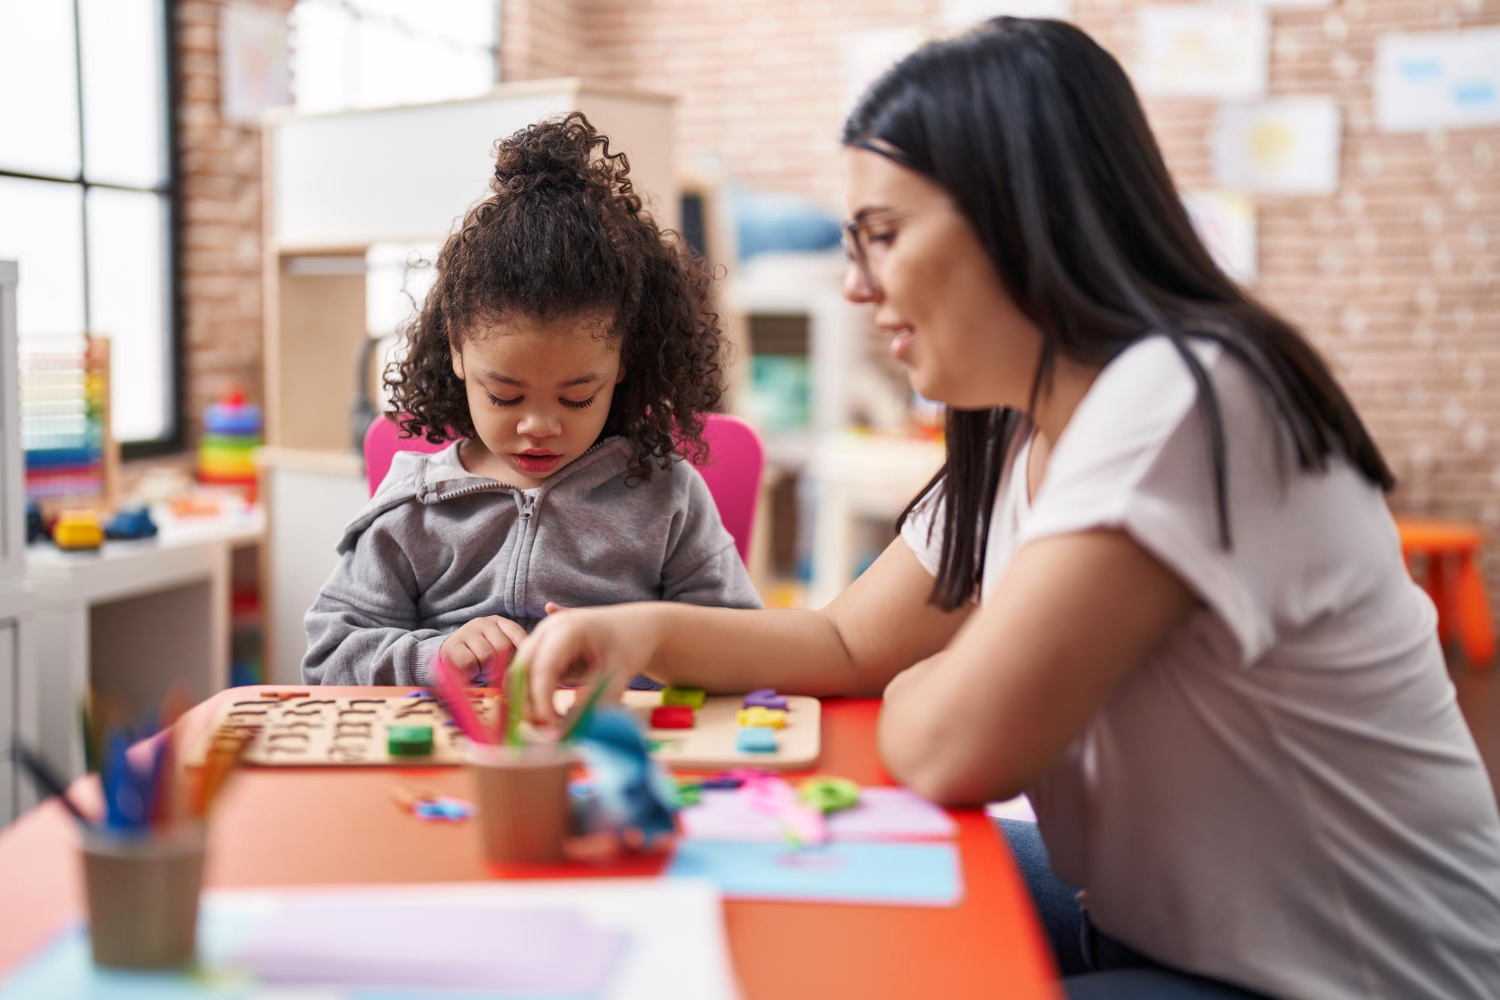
504 402
580 403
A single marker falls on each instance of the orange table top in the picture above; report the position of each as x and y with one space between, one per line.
330 826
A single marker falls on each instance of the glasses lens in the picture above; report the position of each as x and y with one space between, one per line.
858 252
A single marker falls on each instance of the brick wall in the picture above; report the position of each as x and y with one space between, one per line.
221 222
540 39
1394 277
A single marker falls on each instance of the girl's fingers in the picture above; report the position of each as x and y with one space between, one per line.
479 647
513 633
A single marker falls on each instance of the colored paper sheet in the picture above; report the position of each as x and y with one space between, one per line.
1439 79
661 923
882 814
882 874
1286 146
315 941
1202 50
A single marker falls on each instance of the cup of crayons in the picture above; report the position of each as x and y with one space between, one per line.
143 858
521 782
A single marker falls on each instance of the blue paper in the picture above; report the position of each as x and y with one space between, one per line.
887 874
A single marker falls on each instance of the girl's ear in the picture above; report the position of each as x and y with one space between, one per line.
458 360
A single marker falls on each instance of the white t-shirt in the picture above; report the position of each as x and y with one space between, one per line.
1283 795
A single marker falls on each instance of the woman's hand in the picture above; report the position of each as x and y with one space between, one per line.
585 646
479 641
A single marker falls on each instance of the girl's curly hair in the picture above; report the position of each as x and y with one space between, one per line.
563 233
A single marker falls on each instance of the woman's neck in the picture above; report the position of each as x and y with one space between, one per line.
1054 409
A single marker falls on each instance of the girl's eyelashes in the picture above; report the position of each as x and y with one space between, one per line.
580 404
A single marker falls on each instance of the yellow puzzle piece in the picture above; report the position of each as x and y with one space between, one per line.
773 718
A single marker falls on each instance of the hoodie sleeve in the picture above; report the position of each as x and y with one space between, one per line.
362 629
702 565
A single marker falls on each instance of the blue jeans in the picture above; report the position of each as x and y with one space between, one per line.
1093 964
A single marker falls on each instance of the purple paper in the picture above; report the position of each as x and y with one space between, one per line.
882 814
359 942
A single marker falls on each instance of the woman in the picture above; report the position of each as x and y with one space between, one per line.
1156 585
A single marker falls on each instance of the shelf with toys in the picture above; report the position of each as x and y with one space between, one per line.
130 590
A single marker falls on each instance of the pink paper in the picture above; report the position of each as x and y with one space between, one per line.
882 814
354 942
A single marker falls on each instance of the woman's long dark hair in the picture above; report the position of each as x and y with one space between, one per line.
1037 135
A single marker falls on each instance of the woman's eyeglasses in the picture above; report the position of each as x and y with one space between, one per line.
866 251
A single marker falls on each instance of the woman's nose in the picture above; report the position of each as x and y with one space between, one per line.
856 286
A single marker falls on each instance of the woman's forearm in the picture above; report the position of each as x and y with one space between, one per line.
725 649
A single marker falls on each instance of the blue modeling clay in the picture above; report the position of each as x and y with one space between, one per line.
631 790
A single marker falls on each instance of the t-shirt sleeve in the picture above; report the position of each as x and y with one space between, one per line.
1136 457
922 531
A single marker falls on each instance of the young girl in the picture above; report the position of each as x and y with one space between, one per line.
568 350
1156 585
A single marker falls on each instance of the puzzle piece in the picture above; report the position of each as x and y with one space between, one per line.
672 717
691 697
829 794
452 810
756 739
770 718
409 741
765 698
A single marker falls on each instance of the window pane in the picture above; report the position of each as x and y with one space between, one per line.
43 229
468 22
123 92
38 88
322 53
128 304
471 23
393 67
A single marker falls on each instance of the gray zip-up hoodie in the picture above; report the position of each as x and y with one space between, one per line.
438 546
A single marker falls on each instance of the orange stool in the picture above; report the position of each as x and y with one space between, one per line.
1453 582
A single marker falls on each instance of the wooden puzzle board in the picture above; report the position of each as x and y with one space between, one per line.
343 732
324 732
710 744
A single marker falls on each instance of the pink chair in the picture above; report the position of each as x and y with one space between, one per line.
737 459
382 441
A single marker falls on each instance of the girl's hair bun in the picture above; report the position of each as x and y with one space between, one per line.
562 155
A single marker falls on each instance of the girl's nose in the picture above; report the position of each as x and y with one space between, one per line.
539 425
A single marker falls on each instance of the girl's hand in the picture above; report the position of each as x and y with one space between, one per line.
479 641
591 645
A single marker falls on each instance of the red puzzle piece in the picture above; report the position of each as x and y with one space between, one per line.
672 717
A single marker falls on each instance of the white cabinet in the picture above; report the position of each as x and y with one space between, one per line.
18 716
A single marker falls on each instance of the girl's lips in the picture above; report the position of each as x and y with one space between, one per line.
535 463
900 343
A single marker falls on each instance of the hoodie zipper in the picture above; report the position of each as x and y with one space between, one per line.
526 504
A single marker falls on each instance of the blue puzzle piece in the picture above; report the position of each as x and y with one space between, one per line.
756 739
